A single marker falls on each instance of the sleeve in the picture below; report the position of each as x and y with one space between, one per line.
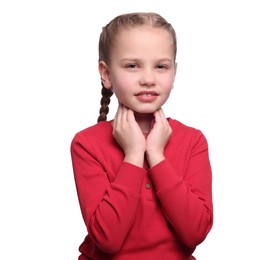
108 208
187 201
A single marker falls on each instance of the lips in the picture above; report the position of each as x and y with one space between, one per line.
147 93
147 96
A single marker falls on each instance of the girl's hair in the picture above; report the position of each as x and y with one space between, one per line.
107 39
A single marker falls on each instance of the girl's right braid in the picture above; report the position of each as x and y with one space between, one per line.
105 100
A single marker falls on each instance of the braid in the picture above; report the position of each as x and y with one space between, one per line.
105 100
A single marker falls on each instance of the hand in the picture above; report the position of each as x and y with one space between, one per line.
157 138
129 136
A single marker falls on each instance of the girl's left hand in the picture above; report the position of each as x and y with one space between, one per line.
157 138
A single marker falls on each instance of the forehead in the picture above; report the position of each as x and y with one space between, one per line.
143 38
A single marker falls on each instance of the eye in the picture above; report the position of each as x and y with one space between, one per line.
132 66
162 66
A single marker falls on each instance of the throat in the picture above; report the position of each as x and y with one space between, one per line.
144 121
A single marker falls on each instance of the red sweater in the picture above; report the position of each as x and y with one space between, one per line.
134 213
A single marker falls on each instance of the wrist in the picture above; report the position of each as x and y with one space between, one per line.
136 159
154 158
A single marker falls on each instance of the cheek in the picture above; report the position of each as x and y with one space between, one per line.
120 90
168 84
127 79
120 75
122 84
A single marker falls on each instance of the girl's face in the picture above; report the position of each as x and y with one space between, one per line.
142 68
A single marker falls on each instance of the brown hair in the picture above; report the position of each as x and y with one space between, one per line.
108 35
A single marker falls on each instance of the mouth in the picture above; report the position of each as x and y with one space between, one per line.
147 94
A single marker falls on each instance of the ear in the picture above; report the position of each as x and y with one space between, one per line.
105 74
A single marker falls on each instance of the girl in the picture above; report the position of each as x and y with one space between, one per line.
143 180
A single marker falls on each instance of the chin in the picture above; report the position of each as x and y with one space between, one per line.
145 111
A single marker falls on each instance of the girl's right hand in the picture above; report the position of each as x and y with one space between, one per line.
129 136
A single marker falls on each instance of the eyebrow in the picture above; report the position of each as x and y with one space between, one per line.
136 59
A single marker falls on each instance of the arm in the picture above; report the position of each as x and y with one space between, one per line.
108 208
187 202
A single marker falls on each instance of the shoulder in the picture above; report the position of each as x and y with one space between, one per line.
96 142
179 127
98 132
184 132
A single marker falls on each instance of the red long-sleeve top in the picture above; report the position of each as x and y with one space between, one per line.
134 213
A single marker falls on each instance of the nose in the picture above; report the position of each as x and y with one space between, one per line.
147 78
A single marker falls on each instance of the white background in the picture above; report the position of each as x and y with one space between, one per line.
50 89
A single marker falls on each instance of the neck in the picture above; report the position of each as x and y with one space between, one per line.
144 121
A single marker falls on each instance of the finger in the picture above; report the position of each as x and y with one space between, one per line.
163 117
157 117
123 114
152 123
117 118
130 116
